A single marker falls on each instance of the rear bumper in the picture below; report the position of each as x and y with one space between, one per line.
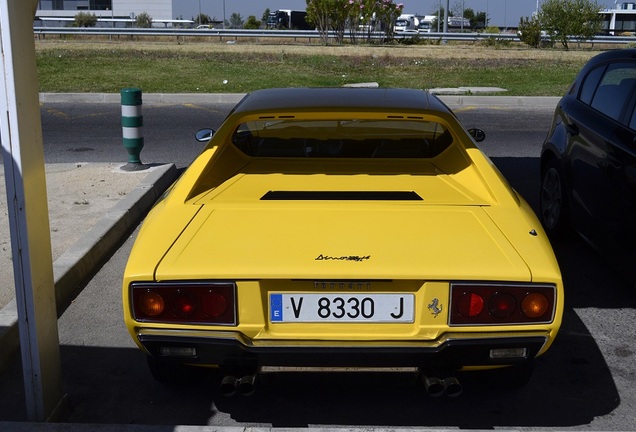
231 351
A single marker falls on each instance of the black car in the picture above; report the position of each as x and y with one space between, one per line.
588 160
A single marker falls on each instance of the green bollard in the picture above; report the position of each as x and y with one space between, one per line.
132 128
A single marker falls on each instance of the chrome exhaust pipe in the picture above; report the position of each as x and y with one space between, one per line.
246 386
228 386
434 386
453 387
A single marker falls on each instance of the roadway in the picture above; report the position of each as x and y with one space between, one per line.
584 382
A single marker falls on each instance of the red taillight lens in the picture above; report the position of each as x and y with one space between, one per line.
471 304
151 303
502 305
214 304
184 302
488 304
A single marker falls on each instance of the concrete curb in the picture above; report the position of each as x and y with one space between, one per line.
151 98
82 259
518 101
178 98
79 262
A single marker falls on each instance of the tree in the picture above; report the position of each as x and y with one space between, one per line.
438 23
387 12
342 15
319 15
530 31
479 21
265 15
338 15
202 19
236 21
143 20
84 19
252 23
564 19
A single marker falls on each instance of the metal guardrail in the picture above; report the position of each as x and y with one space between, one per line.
172 31
295 34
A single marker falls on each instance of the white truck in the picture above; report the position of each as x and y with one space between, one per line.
407 23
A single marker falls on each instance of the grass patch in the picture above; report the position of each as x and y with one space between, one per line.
234 68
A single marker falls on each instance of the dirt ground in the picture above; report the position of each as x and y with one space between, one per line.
245 46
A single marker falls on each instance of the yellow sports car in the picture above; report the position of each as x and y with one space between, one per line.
330 228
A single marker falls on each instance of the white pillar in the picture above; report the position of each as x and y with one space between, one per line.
23 155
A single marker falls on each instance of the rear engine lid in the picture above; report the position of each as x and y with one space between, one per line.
342 240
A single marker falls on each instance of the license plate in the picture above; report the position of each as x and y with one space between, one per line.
367 308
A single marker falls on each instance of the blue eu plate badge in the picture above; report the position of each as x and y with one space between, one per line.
276 307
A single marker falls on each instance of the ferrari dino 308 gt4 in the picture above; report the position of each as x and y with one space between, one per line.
325 228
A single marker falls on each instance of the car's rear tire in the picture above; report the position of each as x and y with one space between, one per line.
553 201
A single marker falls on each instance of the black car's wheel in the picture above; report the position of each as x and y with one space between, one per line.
553 201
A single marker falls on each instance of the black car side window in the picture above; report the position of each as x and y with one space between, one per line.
614 89
632 120
590 84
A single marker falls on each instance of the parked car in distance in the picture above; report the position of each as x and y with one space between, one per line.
331 228
588 159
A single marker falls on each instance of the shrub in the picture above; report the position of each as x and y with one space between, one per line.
143 20
252 23
495 42
85 19
530 32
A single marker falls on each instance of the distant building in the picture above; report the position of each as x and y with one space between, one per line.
108 12
621 20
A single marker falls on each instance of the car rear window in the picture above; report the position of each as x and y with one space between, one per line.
342 138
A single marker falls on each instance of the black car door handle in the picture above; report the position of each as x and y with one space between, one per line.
572 129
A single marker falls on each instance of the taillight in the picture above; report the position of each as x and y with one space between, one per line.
184 302
535 305
488 304
214 304
502 305
470 304
151 303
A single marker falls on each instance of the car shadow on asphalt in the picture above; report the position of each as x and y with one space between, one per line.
571 386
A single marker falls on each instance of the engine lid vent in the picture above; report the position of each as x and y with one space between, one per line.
341 196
